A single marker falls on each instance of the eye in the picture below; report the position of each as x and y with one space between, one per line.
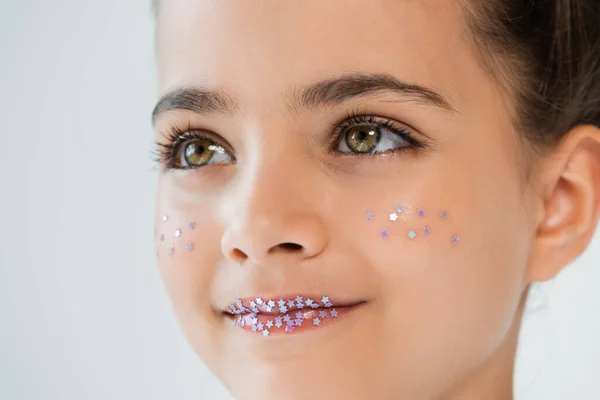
190 149
367 135
200 152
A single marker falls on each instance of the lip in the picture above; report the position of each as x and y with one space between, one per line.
289 314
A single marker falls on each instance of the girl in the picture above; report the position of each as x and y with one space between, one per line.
355 196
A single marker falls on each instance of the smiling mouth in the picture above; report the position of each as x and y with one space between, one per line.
286 315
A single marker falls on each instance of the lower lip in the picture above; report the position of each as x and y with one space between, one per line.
291 322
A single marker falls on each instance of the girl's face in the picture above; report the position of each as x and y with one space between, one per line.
344 149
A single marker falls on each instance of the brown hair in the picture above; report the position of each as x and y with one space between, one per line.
546 54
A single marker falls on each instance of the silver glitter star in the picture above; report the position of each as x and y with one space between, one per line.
268 309
189 247
393 217
399 209
252 303
369 215
322 314
333 313
165 217
278 324
299 299
287 319
239 303
171 251
299 321
269 324
254 328
260 326
299 314
314 305
278 319
259 301
265 333
271 303
283 309
455 239
290 304
325 300
177 233
309 302
300 305
281 303
316 321
242 321
235 322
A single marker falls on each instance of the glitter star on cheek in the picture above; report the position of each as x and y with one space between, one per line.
369 215
426 231
192 225
384 233
189 247
171 251
393 217
178 233
412 234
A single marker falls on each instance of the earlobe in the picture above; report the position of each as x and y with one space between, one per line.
571 203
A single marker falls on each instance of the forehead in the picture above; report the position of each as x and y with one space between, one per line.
256 49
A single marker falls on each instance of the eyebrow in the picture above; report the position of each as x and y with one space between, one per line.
327 93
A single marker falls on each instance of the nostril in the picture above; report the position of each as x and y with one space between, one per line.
239 255
290 246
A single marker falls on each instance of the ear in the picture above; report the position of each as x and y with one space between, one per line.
569 179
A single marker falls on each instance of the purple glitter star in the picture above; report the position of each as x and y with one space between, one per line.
189 247
299 321
278 319
289 328
400 209
287 319
444 214
192 225
384 233
421 213
426 231
162 237
369 215
455 239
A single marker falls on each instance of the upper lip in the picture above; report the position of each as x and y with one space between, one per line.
272 304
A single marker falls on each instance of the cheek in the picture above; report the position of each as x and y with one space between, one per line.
187 250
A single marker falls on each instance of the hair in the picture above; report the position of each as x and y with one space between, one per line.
545 54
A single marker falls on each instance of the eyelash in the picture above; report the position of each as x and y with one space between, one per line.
166 153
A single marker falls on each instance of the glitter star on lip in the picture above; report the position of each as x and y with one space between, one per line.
393 217
309 302
316 321
265 333
334 313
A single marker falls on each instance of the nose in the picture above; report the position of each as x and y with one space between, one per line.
273 218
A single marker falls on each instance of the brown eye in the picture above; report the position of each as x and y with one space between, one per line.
200 152
362 138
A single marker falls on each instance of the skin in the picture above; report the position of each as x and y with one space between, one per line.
441 321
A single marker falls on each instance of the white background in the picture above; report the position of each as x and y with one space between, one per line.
83 313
